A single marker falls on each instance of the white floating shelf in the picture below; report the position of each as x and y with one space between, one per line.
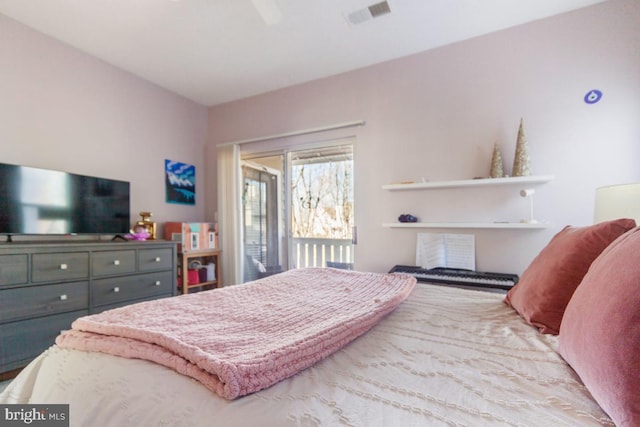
522 180
510 225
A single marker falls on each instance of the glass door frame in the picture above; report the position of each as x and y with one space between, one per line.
316 253
250 162
285 229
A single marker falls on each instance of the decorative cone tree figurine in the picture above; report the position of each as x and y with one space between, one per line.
496 163
521 166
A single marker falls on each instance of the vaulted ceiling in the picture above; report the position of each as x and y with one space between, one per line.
214 51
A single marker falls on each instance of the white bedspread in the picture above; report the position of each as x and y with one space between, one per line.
446 356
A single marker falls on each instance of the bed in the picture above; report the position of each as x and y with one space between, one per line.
443 356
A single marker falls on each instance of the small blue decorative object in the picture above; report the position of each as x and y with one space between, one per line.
407 218
593 96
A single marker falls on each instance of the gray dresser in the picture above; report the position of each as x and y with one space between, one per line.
44 286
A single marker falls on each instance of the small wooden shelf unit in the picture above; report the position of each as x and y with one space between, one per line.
211 254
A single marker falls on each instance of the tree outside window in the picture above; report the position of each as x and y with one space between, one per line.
322 199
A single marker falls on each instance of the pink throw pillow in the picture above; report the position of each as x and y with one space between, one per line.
600 332
546 286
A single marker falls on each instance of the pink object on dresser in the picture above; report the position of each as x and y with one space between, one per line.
241 339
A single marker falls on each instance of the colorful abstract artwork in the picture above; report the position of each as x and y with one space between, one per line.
180 180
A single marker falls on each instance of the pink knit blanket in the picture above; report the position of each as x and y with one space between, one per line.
240 339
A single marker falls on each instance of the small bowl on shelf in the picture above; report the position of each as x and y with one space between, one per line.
407 218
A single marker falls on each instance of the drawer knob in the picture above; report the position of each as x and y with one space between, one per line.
116 289
157 259
63 297
116 262
63 266
157 282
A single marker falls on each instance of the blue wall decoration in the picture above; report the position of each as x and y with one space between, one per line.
180 180
593 96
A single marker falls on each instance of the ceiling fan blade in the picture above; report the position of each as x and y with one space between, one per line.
268 10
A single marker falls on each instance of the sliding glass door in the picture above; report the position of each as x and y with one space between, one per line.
322 229
298 209
261 218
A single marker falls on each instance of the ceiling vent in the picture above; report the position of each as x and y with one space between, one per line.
368 13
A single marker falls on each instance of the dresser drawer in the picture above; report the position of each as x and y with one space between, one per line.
13 269
38 301
155 259
119 289
60 266
111 263
22 341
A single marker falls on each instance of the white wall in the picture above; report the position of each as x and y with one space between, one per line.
62 109
437 115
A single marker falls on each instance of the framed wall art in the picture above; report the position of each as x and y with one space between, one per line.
180 182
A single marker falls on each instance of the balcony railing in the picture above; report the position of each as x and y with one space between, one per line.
317 252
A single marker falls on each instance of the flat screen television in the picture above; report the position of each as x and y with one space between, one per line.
44 202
